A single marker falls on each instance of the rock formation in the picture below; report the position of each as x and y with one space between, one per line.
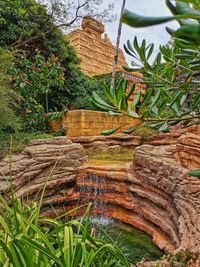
188 151
153 193
51 163
106 143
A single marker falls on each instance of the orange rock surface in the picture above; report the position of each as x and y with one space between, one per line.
153 193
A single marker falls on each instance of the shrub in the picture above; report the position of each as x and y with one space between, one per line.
19 141
8 99
145 132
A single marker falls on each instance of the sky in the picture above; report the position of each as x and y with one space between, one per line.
154 34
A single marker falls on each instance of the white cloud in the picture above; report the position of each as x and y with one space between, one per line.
155 34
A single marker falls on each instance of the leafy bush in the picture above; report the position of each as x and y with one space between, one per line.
44 60
79 98
8 99
27 28
33 80
145 132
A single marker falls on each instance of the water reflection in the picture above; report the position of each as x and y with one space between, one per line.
135 244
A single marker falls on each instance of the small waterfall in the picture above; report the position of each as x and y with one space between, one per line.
93 189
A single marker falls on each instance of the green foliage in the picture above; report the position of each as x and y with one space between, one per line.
173 76
28 27
111 131
182 258
44 60
19 141
8 99
117 99
30 239
189 30
76 92
173 94
80 89
33 80
145 132
195 173
31 30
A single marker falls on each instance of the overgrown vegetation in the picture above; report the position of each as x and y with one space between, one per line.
46 72
8 98
145 132
18 140
29 239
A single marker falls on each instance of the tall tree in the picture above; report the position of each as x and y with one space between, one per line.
115 62
61 14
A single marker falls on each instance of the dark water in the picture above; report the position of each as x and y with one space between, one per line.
135 244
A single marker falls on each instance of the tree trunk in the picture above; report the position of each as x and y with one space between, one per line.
115 62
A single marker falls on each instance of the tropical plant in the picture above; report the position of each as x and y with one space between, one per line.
195 173
186 12
173 95
80 98
28 239
33 80
8 98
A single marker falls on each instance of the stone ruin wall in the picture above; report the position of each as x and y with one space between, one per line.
89 123
96 52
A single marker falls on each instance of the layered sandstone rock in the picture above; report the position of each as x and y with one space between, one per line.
108 143
156 167
105 143
188 150
50 163
153 194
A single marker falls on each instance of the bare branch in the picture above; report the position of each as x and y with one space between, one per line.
59 13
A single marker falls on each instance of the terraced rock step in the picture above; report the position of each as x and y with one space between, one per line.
153 193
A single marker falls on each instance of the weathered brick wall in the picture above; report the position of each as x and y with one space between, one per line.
89 122
96 52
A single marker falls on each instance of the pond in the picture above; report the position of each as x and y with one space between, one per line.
135 244
124 155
